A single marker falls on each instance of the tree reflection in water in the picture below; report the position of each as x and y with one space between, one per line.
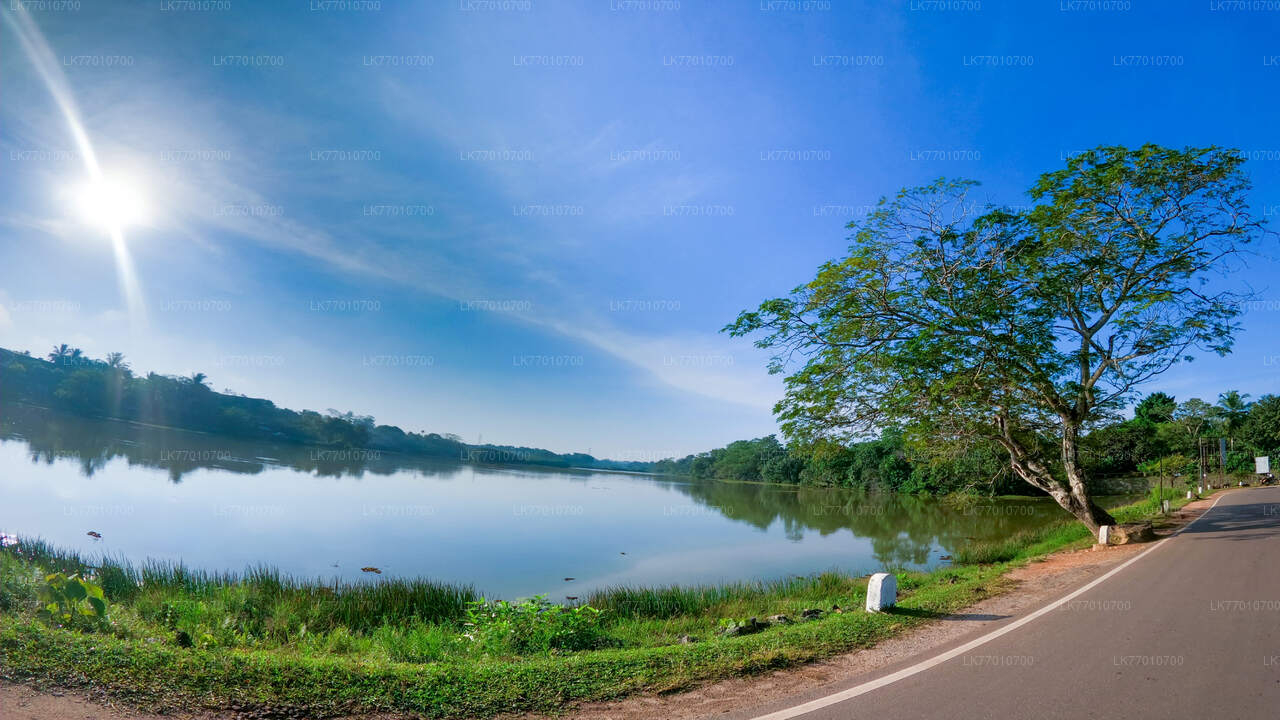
903 529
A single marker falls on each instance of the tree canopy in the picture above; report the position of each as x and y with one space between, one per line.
962 321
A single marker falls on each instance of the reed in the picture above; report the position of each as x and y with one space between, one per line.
696 600
261 596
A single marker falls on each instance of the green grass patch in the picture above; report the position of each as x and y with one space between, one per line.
1065 534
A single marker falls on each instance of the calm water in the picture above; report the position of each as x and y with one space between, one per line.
221 504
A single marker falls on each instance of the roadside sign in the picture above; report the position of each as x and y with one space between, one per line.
1262 465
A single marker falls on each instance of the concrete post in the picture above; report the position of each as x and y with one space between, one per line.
1199 490
1164 506
1188 494
882 592
1104 534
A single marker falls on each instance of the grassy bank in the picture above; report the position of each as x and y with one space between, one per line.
173 637
1066 533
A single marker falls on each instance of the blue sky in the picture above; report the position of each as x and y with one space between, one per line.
525 222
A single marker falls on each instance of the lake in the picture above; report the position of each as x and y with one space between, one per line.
224 504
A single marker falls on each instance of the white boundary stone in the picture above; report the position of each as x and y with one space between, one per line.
882 592
1104 535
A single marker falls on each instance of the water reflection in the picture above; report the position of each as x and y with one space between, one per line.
94 444
511 532
903 529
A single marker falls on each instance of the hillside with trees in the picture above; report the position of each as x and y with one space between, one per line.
70 381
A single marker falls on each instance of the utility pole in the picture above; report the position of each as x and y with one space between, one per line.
1222 458
1203 462
1161 487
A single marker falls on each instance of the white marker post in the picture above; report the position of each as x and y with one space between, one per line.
1104 535
882 592
1188 494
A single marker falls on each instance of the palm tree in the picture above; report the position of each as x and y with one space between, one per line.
77 357
60 353
116 361
197 380
1231 412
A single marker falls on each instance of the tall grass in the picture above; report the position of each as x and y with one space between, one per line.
662 603
1012 547
1150 504
262 595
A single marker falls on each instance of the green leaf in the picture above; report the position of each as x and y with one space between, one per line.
75 590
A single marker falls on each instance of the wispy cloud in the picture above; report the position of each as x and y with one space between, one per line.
214 183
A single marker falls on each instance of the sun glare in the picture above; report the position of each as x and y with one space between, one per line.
112 203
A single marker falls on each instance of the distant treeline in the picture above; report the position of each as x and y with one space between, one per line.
68 380
1164 436
883 465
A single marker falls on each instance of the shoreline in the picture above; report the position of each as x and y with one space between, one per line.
158 676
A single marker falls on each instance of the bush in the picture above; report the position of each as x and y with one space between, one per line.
16 587
782 468
1176 465
71 601
532 626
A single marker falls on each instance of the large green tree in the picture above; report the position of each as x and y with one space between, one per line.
963 322
1261 430
1193 416
1230 413
1156 408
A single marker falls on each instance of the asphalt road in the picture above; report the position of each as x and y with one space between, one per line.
1191 629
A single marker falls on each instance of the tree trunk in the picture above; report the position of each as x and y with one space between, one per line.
1086 511
1073 496
1079 502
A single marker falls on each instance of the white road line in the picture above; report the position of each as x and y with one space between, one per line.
923 665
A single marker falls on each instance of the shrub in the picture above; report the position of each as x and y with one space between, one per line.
71 601
532 626
1176 465
16 586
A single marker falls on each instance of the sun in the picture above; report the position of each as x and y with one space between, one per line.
111 202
